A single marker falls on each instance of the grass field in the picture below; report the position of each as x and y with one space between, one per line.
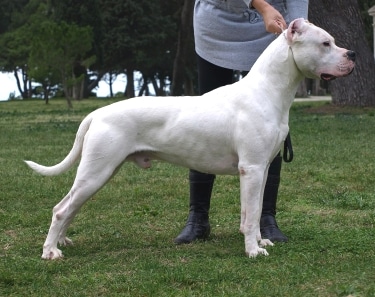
124 235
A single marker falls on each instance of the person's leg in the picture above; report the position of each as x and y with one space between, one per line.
197 226
211 77
268 225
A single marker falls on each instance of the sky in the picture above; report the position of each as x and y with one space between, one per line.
8 85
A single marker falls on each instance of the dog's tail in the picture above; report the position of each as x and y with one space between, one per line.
71 158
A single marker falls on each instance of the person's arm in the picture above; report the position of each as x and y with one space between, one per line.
273 20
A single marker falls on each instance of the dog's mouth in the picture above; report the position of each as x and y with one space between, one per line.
327 77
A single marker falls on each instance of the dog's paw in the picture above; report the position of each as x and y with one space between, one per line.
265 242
65 241
255 252
52 254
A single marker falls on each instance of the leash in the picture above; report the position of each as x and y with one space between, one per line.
288 149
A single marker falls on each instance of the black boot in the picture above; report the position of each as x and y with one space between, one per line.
197 225
268 225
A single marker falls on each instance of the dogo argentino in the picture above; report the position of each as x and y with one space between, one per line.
235 129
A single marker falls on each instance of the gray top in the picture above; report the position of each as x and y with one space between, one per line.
231 35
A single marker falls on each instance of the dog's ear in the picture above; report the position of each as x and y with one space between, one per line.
295 29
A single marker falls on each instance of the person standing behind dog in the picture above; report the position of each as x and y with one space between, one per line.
230 35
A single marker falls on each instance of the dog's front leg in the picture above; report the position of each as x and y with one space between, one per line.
251 184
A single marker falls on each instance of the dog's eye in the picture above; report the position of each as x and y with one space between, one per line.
326 43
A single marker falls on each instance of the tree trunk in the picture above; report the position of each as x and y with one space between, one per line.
24 91
156 87
144 88
79 76
93 84
162 85
45 93
67 91
68 97
342 19
302 90
77 89
184 38
129 91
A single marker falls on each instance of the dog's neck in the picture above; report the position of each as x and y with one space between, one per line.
288 77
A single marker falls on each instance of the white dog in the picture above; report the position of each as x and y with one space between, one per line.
236 129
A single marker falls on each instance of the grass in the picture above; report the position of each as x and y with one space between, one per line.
124 235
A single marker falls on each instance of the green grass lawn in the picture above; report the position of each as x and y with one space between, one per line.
124 235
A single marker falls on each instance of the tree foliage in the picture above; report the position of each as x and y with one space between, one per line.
84 14
56 50
15 42
140 35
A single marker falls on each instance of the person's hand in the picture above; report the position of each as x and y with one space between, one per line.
273 20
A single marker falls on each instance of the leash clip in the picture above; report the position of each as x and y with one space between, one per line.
288 149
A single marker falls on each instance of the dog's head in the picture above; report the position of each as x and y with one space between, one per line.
315 52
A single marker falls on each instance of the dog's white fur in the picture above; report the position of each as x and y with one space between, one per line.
236 129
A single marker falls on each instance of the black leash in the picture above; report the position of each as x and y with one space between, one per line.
288 149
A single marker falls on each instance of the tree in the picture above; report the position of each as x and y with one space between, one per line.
56 50
185 50
7 12
86 13
126 36
109 78
364 6
139 35
15 41
46 76
15 48
342 19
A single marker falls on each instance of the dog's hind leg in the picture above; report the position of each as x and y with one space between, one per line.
91 176
50 250
65 211
102 154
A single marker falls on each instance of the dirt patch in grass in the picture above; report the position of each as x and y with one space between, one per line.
330 109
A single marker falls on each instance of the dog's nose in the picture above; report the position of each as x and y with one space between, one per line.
350 55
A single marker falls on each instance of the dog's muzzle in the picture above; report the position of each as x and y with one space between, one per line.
351 56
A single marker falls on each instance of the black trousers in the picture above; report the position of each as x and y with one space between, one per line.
211 77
